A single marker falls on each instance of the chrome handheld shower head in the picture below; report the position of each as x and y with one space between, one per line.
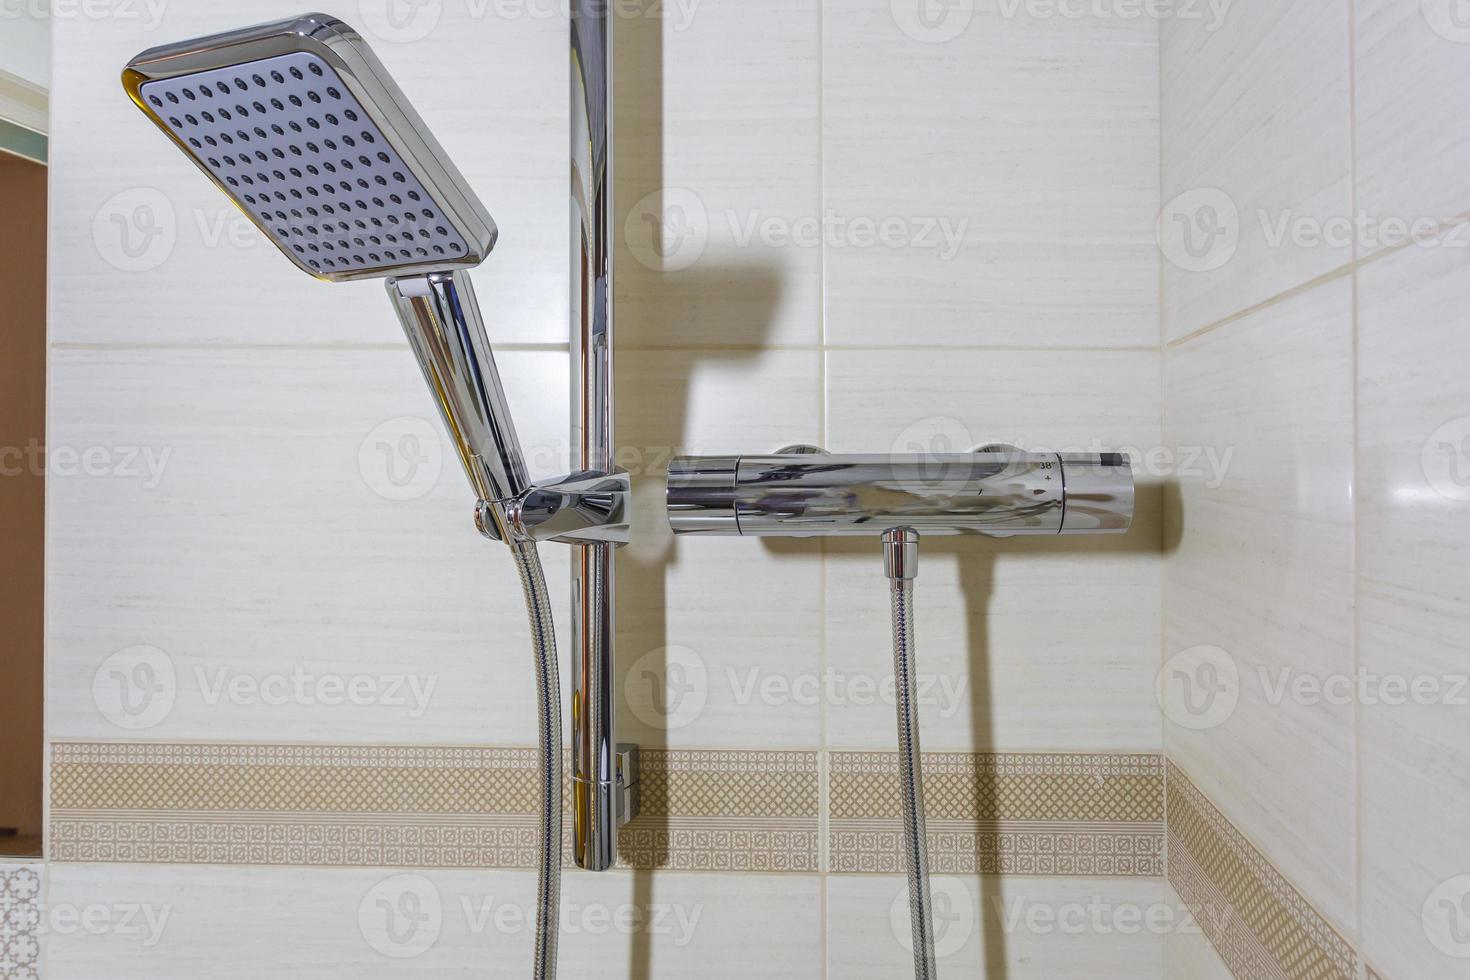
301 125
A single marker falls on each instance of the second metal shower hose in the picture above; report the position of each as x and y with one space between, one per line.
548 726
900 558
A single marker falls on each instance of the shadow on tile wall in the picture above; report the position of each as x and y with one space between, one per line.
661 321
1160 518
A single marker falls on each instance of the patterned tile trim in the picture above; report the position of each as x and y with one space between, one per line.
20 921
1039 814
453 807
448 807
1263 928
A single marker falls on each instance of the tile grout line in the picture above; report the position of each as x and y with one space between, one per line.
1163 335
386 346
230 743
824 769
1443 231
1355 380
632 348
993 348
1301 289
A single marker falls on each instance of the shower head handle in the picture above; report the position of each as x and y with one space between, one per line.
442 321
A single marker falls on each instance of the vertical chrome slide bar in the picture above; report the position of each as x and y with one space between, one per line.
595 779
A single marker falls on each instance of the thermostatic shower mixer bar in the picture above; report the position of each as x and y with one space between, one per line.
821 495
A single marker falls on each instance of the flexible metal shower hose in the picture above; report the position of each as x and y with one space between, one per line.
911 778
548 724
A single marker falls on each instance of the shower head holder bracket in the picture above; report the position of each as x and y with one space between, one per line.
580 508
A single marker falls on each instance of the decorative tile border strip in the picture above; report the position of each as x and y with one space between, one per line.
20 921
1263 928
447 807
724 811
1000 813
714 811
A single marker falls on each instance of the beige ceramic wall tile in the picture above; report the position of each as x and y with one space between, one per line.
990 175
1255 124
1188 954
1411 103
719 638
301 511
347 925
1026 643
1018 928
1414 456
1258 597
145 249
717 174
919 401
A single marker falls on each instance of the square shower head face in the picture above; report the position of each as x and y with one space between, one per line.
301 126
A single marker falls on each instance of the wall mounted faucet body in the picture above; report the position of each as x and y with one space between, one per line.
822 495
